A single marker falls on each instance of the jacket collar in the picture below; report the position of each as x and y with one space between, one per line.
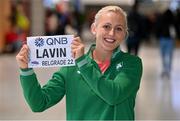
116 53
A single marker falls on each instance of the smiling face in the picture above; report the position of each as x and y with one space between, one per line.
110 30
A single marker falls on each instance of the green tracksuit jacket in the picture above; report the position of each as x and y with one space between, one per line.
90 95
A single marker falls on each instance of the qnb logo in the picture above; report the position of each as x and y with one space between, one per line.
39 42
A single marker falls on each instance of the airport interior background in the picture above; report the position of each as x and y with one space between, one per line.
159 95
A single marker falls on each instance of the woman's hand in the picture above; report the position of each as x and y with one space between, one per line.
22 57
77 48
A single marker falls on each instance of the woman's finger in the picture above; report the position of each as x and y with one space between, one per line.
75 43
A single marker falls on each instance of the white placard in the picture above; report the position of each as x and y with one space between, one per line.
50 51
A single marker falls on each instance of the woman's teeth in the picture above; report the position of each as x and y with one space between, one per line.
110 40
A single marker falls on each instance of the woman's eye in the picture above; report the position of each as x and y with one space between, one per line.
106 27
119 29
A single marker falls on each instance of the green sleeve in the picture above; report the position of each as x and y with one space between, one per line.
125 83
40 98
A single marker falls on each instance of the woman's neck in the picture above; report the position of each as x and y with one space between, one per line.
101 56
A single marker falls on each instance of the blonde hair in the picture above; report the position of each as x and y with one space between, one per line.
113 9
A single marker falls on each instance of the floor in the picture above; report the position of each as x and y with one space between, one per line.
158 98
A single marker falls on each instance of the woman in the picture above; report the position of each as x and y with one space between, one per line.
104 82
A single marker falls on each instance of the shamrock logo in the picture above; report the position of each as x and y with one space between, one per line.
119 65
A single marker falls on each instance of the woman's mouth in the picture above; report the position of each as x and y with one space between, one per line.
108 40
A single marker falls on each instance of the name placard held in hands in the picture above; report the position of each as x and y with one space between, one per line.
50 51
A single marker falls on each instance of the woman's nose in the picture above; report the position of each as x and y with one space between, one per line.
111 32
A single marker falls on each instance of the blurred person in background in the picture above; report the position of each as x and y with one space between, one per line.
135 23
51 23
13 42
58 18
12 39
165 31
177 22
64 16
79 16
23 22
103 83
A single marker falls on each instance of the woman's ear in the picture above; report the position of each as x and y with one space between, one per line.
93 28
126 35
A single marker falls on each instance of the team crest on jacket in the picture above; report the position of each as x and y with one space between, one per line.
78 72
119 65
